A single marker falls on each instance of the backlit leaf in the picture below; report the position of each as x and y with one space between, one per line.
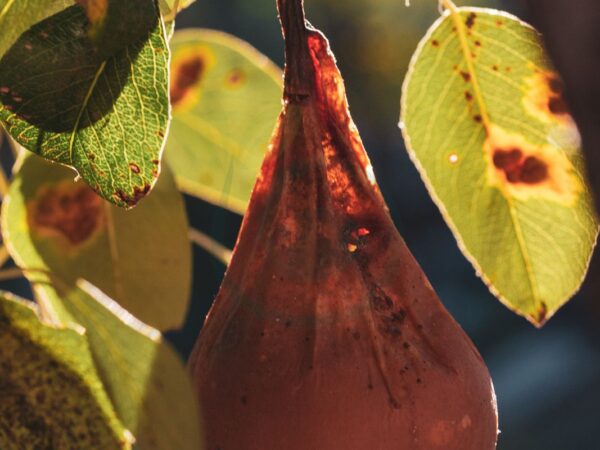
106 116
141 258
225 97
17 16
170 8
51 397
486 124
144 377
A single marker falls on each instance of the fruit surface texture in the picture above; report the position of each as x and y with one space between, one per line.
326 334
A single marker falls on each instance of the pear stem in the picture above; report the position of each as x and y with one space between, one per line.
298 66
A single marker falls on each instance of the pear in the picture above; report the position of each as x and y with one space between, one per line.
326 334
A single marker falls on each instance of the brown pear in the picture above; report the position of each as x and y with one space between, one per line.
326 334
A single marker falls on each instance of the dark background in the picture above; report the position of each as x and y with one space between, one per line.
547 381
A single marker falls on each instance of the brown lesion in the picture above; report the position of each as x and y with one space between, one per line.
67 211
545 98
522 169
188 70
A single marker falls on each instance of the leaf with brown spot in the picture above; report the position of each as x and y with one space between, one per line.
225 98
487 126
142 258
70 88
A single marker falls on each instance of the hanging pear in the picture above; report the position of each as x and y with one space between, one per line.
326 334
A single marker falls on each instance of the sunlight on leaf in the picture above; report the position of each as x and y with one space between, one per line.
225 97
142 258
143 375
51 394
65 99
170 8
486 124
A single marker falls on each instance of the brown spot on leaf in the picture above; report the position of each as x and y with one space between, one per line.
435 43
477 118
518 169
468 96
470 20
495 68
71 210
235 78
558 105
133 198
186 75
555 85
466 76
522 169
477 43
134 167
533 171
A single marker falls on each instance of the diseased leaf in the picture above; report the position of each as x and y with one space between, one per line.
142 258
17 16
225 97
107 117
51 395
145 379
486 124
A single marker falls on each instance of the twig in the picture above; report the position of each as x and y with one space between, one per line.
213 247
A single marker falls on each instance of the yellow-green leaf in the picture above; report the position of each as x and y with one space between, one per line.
141 258
145 379
485 122
17 16
226 98
72 99
50 394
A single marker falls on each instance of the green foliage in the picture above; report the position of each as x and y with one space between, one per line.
51 223
226 98
485 122
102 110
51 394
143 376
17 16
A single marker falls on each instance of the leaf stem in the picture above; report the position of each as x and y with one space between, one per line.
11 274
462 36
4 255
213 247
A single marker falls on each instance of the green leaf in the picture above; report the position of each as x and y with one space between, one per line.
486 124
226 98
106 117
142 258
17 16
170 8
145 379
51 395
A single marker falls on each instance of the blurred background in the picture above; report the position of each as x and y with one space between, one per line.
547 381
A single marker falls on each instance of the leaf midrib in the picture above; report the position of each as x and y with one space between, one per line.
460 28
84 106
